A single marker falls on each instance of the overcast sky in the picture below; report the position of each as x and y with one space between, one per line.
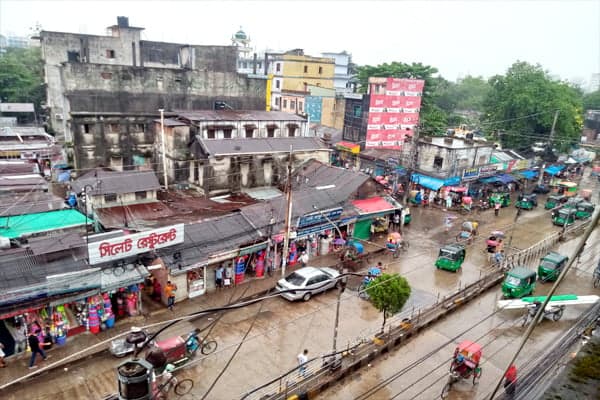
458 37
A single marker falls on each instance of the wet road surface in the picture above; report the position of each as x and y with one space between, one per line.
283 329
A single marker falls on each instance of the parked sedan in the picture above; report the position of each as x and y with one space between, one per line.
313 280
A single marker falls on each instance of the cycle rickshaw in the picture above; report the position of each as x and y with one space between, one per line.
465 365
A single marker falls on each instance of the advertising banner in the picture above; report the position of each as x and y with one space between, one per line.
130 245
470 174
393 111
487 171
313 107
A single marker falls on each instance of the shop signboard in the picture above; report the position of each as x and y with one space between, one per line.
318 217
521 164
394 105
226 255
470 174
488 170
137 243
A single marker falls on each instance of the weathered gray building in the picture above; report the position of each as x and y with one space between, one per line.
104 91
186 164
444 157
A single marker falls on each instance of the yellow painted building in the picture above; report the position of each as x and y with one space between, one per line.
300 71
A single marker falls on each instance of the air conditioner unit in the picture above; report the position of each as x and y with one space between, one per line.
58 117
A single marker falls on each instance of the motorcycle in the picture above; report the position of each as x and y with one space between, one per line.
553 313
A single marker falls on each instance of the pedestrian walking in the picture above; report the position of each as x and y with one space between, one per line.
302 360
34 346
497 208
510 381
219 272
170 290
448 201
431 197
2 362
48 340
304 259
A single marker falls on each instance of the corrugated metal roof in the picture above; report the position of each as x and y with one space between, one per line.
15 226
238 115
171 122
211 237
34 202
222 147
116 182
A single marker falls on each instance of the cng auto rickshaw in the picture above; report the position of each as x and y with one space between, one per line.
527 201
518 282
564 216
567 188
584 210
554 200
499 197
451 257
465 363
573 202
551 265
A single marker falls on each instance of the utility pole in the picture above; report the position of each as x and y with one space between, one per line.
162 138
412 163
288 214
551 138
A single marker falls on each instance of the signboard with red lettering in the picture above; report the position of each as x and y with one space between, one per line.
137 243
394 107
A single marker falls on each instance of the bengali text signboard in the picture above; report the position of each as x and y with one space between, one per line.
130 245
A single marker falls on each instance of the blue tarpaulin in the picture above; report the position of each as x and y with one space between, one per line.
554 169
505 178
529 174
427 181
454 181
491 179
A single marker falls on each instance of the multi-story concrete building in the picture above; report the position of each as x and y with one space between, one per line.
342 77
103 92
219 152
249 60
293 70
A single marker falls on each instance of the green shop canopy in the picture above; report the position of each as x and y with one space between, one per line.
27 224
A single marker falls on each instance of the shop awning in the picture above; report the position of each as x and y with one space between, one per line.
376 205
348 146
427 181
554 169
120 277
253 249
505 178
529 174
491 179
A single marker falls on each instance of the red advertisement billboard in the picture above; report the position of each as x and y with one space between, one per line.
393 111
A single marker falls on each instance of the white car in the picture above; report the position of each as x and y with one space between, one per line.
314 280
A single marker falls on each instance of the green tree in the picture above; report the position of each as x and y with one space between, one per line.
520 106
433 118
470 93
22 77
591 101
388 293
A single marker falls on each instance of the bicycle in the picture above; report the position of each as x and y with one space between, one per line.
180 388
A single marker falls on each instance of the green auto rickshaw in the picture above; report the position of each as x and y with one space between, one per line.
451 257
584 210
554 200
551 265
527 201
573 202
518 282
564 216
499 197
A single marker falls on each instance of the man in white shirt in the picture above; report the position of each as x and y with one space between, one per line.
302 360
